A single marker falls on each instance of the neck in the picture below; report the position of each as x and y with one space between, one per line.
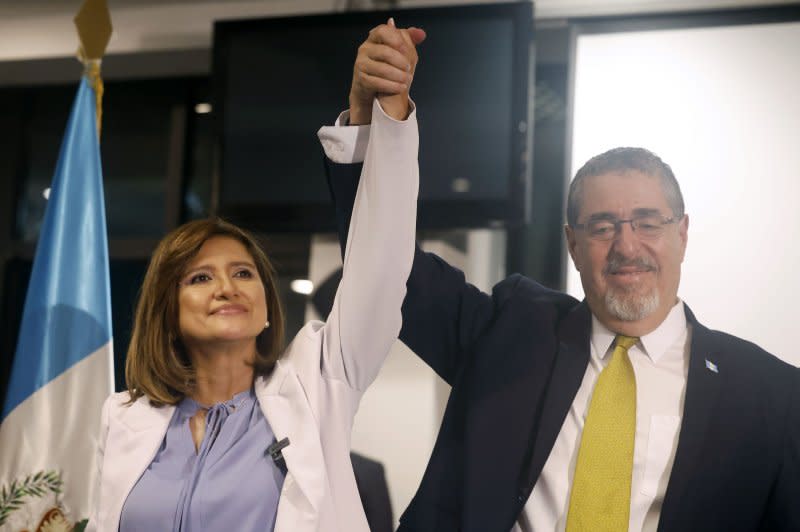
222 372
636 329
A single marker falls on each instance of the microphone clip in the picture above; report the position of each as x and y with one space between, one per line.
275 452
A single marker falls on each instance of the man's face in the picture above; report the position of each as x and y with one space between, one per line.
631 282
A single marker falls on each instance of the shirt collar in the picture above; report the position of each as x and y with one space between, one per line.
188 406
654 344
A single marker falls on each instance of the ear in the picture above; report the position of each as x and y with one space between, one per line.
683 234
572 244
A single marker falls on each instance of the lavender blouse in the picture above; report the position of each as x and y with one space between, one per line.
229 483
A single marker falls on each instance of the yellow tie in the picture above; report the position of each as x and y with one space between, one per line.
601 490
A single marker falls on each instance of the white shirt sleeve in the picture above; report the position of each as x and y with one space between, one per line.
366 319
346 144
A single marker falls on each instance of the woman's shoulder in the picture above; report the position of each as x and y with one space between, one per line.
136 415
120 401
304 350
310 334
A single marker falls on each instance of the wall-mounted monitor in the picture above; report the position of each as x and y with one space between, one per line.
277 80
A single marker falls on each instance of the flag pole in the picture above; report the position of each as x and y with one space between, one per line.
63 364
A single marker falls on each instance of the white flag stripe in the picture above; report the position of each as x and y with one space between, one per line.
46 423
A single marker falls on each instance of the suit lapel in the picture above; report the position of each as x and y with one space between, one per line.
702 390
569 367
285 405
514 412
143 428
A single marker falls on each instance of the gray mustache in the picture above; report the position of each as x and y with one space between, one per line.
617 262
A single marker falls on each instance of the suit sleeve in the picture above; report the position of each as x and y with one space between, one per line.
783 509
442 313
365 319
374 492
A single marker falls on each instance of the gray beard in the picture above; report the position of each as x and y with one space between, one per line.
631 307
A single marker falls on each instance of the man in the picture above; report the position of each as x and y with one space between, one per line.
618 412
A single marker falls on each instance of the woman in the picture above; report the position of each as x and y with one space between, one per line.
220 429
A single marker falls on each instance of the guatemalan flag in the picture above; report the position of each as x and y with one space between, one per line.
63 366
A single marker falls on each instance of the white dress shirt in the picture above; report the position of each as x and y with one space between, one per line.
661 363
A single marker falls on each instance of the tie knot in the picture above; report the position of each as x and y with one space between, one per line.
625 342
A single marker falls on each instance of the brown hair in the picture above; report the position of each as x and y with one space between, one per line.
624 160
157 364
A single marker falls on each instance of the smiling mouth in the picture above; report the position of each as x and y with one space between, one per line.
623 267
229 310
629 278
630 272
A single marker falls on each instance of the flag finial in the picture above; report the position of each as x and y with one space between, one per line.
93 22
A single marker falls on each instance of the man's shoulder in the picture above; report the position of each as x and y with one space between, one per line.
752 360
524 290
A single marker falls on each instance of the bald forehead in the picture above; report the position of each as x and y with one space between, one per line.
621 192
665 186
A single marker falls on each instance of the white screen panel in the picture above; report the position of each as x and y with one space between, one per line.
722 107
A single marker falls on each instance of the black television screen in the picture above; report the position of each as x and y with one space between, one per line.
277 80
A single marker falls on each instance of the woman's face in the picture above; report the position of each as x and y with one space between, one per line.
221 296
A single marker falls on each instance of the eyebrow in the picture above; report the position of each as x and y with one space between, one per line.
236 264
644 211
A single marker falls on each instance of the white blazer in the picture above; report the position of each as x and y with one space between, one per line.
313 394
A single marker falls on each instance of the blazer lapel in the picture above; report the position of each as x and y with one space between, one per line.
569 367
702 390
142 429
285 405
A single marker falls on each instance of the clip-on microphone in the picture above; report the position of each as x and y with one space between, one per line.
274 451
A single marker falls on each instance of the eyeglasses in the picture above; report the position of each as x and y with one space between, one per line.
650 227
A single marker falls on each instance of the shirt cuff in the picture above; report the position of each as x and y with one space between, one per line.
345 144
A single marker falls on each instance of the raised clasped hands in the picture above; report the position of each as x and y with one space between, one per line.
384 67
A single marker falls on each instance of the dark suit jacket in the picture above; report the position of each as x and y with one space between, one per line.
374 493
515 360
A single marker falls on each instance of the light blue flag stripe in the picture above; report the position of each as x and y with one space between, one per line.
67 313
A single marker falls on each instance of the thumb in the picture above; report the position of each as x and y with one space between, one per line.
417 35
